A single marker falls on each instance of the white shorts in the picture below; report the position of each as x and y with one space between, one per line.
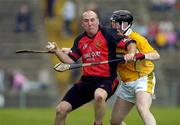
128 90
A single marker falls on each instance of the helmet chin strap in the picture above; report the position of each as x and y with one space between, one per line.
125 29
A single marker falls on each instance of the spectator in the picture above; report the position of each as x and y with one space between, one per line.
171 40
178 5
152 31
169 4
44 78
49 10
157 5
19 80
68 13
2 87
163 5
178 31
161 40
24 19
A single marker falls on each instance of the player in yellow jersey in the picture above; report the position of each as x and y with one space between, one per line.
138 80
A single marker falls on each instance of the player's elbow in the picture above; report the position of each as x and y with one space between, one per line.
157 56
152 56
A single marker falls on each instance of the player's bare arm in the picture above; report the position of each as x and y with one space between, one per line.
63 57
152 56
131 49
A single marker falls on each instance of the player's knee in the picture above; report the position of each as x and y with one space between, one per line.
99 98
142 109
62 109
100 95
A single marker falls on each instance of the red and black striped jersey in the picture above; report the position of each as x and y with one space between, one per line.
100 47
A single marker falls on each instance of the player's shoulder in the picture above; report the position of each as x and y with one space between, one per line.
79 36
111 34
109 30
128 40
138 35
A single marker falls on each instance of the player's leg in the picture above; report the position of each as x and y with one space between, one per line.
74 98
104 90
124 102
120 110
144 91
100 96
143 103
61 112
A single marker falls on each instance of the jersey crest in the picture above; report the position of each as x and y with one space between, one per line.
98 44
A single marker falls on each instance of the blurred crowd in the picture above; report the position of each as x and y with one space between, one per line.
16 81
163 35
164 5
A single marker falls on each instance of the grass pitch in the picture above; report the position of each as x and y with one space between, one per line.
82 116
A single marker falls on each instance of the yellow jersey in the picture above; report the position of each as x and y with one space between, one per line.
131 71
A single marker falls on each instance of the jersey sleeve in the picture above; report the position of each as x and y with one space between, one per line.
142 43
123 44
75 52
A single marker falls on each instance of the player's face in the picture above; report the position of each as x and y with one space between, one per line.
90 22
113 24
121 26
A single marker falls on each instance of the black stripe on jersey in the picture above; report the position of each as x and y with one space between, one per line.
112 40
111 35
75 48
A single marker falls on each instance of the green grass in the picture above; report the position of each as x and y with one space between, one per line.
82 116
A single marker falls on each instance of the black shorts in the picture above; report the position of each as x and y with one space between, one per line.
83 91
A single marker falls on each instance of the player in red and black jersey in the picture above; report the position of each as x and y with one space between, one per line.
99 47
97 82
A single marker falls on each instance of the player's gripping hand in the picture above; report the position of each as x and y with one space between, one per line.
52 47
129 57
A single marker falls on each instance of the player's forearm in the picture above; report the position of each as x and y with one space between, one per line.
63 57
152 56
131 48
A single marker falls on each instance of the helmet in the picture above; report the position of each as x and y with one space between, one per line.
122 16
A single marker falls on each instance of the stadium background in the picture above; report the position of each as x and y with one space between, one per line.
39 93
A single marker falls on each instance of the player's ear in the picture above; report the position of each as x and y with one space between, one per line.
98 21
81 21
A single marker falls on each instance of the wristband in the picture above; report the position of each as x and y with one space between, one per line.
139 56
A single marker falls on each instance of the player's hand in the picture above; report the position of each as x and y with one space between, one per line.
52 47
66 50
129 57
